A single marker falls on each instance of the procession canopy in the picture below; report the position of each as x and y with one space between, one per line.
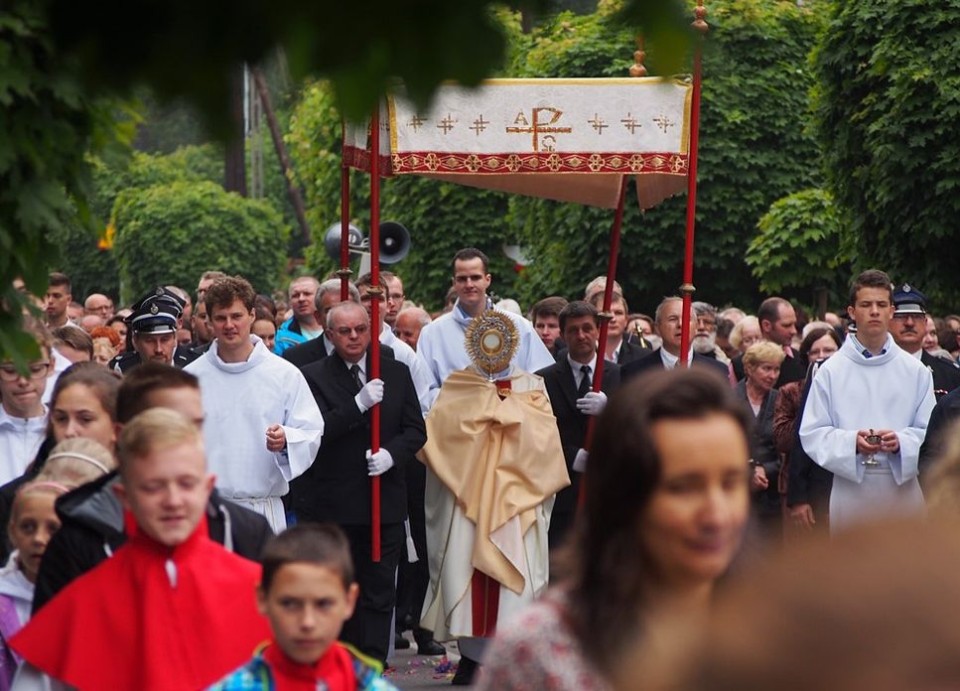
564 139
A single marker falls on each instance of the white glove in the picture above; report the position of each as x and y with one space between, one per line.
592 403
370 395
580 460
378 463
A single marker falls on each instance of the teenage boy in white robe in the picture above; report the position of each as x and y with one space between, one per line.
867 413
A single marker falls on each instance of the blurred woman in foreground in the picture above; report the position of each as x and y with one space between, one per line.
665 508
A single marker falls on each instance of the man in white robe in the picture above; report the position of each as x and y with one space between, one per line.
867 412
262 426
441 341
449 531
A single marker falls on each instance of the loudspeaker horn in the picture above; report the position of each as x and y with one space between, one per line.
394 242
331 241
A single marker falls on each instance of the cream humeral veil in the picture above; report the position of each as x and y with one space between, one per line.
495 465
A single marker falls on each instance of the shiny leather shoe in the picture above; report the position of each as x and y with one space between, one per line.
399 642
426 645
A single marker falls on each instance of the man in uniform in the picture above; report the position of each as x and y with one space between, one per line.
908 327
153 332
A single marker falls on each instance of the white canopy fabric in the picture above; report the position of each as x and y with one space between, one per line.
564 139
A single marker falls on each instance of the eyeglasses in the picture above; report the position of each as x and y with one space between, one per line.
38 370
346 330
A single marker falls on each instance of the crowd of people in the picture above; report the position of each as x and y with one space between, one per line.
191 476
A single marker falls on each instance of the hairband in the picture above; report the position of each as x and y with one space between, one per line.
45 484
80 457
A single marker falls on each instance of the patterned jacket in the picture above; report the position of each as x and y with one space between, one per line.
257 675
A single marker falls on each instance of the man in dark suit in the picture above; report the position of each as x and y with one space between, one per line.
620 348
328 295
337 486
778 323
668 322
569 383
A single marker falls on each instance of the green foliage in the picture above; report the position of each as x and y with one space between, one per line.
799 246
190 49
172 233
754 149
95 270
47 123
886 113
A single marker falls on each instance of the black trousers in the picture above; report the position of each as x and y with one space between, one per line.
413 581
369 628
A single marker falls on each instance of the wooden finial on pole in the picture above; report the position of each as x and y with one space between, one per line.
638 69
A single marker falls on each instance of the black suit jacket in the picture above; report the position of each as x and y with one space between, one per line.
315 349
946 377
572 424
630 351
303 354
336 487
653 362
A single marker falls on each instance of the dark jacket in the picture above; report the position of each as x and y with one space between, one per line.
946 377
653 362
764 452
337 487
123 363
572 424
315 350
92 530
946 412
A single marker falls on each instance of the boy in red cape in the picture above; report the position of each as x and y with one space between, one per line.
171 609
307 592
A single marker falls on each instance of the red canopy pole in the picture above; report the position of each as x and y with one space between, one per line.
344 271
686 288
376 293
605 315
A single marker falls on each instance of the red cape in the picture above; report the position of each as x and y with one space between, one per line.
126 625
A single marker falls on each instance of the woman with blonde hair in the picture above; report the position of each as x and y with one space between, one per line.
761 367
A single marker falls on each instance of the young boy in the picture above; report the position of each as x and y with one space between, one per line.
307 591
23 417
171 609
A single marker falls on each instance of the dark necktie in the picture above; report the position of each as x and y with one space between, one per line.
585 382
355 371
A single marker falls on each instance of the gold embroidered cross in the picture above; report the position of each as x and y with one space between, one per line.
416 122
663 122
598 124
479 125
631 123
446 124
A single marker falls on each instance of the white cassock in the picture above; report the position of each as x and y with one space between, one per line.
850 392
443 351
418 370
240 401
